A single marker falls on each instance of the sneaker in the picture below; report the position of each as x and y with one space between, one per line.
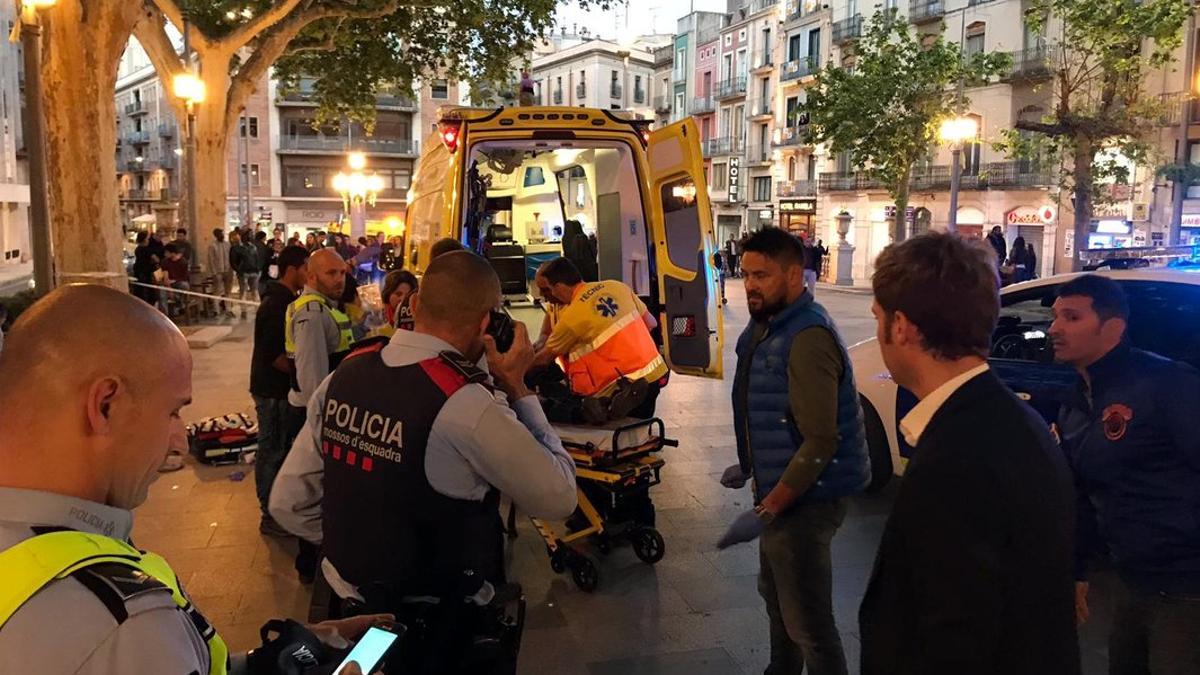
269 527
628 395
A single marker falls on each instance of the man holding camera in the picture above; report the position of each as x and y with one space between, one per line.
408 446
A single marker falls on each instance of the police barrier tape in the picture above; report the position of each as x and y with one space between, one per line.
180 291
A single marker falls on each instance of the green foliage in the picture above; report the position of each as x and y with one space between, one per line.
1100 54
481 42
1180 174
885 110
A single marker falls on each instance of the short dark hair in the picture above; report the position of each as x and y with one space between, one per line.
1108 299
218 229
444 245
393 280
171 247
142 237
182 230
776 244
947 286
291 256
260 236
561 271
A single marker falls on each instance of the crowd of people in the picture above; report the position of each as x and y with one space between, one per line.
387 458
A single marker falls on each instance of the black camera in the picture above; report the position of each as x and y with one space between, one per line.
500 327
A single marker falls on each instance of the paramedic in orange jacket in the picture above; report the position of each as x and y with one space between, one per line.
601 338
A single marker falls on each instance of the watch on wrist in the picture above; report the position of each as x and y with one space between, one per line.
764 515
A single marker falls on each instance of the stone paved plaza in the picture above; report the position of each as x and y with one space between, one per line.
697 612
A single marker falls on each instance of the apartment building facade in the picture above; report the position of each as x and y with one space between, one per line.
598 73
280 163
14 177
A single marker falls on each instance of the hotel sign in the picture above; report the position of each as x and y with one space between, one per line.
735 179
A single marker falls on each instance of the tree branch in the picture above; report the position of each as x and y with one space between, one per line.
248 31
175 15
275 41
1057 129
152 36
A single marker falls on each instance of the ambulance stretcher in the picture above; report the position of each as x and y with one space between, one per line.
615 467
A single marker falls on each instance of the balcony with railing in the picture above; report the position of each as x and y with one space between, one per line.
305 95
136 195
761 108
558 97
135 166
726 145
614 90
796 188
731 87
702 105
799 68
789 136
581 90
926 11
1172 108
137 137
166 130
763 58
169 162
847 29
136 108
758 153
846 181
1032 63
297 143
662 104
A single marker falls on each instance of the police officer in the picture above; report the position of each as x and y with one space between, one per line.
1131 439
398 470
317 336
87 420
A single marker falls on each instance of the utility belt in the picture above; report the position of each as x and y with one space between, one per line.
474 630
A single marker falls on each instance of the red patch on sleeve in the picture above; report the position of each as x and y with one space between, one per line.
446 378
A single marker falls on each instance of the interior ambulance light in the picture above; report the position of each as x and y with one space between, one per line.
449 131
686 192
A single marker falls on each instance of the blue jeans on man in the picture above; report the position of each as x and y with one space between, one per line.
276 431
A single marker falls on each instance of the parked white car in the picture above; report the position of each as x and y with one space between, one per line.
1164 305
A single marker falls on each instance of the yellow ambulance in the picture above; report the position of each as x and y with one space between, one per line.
509 183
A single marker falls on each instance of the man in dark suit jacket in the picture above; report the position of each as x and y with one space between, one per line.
974 575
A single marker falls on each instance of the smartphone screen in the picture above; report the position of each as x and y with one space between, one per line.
369 651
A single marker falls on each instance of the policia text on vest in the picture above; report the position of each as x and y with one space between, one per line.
363 430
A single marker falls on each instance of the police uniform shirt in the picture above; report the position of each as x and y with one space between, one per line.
317 336
67 627
477 442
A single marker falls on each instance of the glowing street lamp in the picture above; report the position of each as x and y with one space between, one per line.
956 132
190 89
358 190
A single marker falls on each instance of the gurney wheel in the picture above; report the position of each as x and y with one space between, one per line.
556 561
585 573
648 545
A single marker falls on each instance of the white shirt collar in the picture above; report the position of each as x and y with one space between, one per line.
34 507
914 423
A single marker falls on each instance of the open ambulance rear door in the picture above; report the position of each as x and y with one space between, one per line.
681 227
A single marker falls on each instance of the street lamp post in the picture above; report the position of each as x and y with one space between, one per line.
956 131
190 89
35 146
358 190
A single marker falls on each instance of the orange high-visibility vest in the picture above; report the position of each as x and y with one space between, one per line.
606 339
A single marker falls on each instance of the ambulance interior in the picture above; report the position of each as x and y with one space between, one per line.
521 196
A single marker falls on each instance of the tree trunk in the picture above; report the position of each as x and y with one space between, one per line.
900 220
82 45
1082 175
211 141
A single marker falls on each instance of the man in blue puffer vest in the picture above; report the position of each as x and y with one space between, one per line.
801 442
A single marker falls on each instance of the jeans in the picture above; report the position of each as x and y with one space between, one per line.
1154 633
810 281
248 287
273 417
796 581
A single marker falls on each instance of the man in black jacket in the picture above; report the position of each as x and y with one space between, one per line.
270 373
1130 436
974 574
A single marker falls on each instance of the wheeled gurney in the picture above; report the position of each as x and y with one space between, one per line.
615 467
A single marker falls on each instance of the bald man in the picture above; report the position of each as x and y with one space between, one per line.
407 447
89 415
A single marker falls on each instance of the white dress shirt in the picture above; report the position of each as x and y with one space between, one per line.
914 423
